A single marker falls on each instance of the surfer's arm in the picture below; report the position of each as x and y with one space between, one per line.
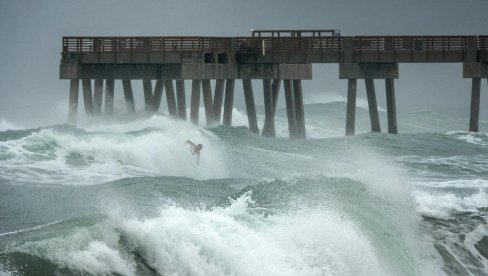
190 142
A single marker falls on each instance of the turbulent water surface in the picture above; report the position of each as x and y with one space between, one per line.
129 199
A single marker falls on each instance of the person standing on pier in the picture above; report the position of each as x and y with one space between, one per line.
195 149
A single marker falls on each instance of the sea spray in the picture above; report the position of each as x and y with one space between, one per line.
69 158
325 205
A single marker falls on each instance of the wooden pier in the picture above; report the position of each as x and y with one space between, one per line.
276 57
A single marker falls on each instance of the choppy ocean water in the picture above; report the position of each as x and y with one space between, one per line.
127 198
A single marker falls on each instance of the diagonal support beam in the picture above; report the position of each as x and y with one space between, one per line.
290 108
372 106
250 106
87 96
158 94
129 96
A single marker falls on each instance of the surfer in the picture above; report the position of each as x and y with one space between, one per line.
195 149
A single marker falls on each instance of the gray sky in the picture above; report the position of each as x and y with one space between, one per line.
31 33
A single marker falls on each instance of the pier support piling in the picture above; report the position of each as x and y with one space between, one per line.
181 99
351 106
372 105
276 91
391 106
228 101
475 105
87 96
129 96
269 124
74 87
299 111
268 128
250 107
158 94
195 101
170 98
217 102
98 97
207 101
148 96
109 97
290 108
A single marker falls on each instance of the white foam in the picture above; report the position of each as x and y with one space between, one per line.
474 237
460 164
443 205
379 174
331 97
480 139
93 250
114 155
232 240
28 229
158 121
432 182
4 271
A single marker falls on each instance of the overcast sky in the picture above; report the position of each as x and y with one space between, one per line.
31 33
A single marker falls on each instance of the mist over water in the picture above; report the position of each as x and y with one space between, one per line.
115 197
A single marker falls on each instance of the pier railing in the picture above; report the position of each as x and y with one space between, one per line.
144 44
364 48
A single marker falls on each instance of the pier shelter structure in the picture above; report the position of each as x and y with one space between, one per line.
275 57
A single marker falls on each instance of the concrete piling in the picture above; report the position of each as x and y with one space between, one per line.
391 106
250 106
74 87
290 108
475 104
372 105
157 95
351 106
299 111
98 97
148 96
109 97
87 96
228 101
207 101
268 128
195 101
218 97
181 99
269 124
170 98
129 96
275 87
